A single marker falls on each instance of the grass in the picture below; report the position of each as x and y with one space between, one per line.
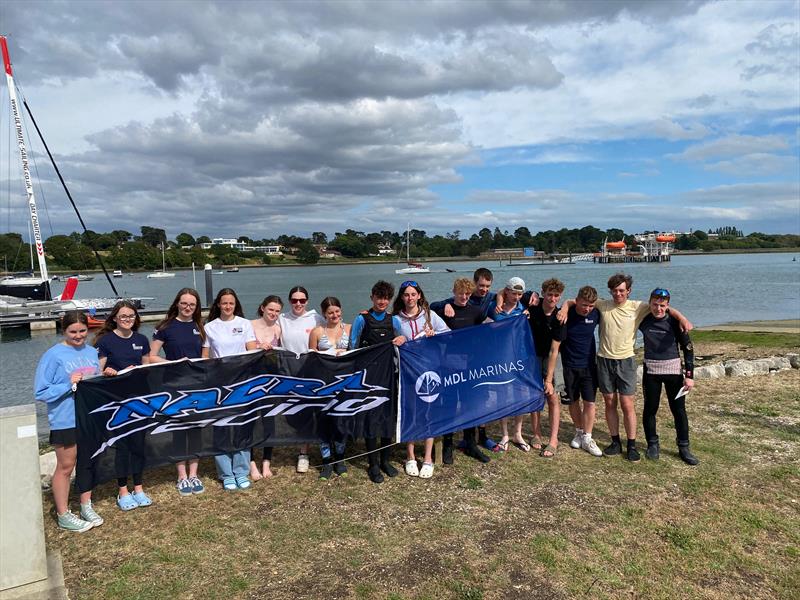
520 526
789 341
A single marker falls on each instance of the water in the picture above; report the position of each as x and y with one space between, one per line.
709 290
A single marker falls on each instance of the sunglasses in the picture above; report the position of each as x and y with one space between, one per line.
298 300
409 283
659 293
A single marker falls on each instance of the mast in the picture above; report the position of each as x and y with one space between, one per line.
12 92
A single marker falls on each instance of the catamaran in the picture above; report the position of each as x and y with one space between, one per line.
31 293
413 268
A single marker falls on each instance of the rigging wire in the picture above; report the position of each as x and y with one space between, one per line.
66 189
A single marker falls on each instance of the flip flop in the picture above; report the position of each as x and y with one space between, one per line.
551 449
536 442
503 446
522 446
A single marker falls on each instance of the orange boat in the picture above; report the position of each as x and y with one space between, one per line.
95 323
615 245
665 238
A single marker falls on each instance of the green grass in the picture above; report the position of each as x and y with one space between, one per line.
790 341
519 526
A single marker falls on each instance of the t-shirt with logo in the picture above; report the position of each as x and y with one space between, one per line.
465 316
224 338
121 353
542 327
618 326
181 339
577 339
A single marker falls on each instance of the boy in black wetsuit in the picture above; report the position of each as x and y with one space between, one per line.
377 326
662 365
464 314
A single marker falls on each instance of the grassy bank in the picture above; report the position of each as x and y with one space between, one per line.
521 526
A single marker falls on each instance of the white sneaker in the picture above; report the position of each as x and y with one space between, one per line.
588 444
576 441
302 463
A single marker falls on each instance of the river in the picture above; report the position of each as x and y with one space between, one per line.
709 290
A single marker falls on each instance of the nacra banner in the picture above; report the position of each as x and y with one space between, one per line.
468 377
163 413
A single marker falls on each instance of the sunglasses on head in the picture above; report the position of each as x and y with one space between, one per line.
659 293
298 300
409 283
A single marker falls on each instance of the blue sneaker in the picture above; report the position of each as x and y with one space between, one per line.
142 499
184 487
229 483
197 485
127 502
243 482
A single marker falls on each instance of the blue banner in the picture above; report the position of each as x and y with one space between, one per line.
468 377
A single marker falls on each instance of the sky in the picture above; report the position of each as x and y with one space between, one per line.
268 118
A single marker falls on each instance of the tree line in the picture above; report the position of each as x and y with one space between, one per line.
122 249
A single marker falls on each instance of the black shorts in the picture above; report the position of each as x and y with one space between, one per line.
64 437
579 383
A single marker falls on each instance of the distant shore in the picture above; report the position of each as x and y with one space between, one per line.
778 326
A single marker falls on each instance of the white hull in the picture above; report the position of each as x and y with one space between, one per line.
412 270
160 275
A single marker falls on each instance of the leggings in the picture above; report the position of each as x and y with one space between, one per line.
651 386
123 481
267 450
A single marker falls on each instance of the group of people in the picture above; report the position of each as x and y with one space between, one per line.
568 330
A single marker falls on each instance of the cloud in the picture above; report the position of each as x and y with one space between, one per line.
732 145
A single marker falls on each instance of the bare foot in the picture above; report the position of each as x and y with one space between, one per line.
254 474
266 471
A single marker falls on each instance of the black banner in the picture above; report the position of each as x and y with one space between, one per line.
163 413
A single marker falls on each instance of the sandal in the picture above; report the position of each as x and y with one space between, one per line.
412 470
548 449
522 446
427 471
503 446
536 442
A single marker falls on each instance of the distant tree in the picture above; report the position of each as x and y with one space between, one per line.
185 239
121 236
318 237
203 239
701 235
105 241
153 236
307 253
14 252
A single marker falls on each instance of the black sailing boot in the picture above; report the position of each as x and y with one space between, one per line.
386 465
340 467
687 456
652 450
326 472
447 449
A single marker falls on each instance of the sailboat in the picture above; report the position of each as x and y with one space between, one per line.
29 293
412 268
163 273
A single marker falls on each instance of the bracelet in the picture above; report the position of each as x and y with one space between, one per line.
74 387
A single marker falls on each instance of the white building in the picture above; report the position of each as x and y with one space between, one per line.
242 247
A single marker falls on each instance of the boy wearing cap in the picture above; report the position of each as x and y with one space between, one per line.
506 306
543 321
662 365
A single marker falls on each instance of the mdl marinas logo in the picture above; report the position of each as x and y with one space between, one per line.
427 386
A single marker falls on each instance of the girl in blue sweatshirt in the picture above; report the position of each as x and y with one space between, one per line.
57 376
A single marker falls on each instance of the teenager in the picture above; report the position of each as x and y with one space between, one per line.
181 335
481 296
268 336
417 321
119 346
57 376
662 367
575 341
229 333
507 305
464 314
296 325
331 338
372 327
543 319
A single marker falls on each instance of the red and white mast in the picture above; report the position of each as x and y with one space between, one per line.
12 92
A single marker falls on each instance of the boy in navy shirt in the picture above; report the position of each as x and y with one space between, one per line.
575 340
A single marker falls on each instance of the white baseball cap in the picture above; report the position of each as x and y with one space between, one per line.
516 284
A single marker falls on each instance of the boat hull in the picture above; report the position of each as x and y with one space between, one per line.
26 288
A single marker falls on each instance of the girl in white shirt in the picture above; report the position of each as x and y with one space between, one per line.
227 333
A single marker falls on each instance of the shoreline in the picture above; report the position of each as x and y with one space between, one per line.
761 326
